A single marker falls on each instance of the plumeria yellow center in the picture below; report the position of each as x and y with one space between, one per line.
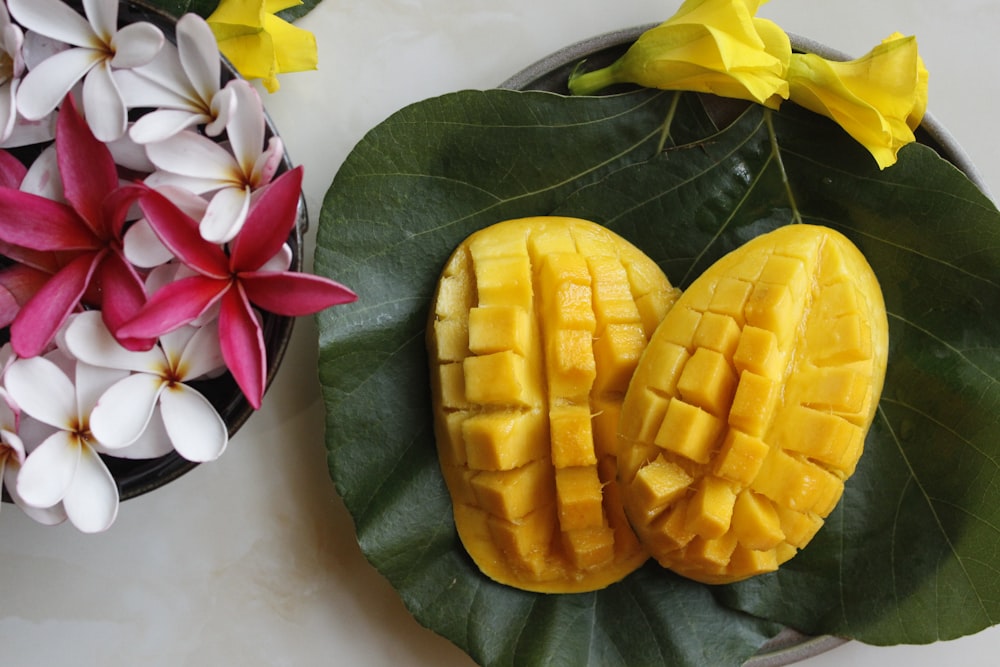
6 68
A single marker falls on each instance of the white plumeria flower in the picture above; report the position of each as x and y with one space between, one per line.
11 68
182 84
99 48
123 412
12 455
199 164
66 466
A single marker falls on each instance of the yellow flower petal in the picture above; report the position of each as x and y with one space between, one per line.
713 46
275 6
259 44
238 12
294 48
879 99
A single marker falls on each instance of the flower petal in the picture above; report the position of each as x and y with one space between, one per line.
55 19
48 516
136 45
103 17
39 320
174 305
103 103
268 162
8 108
246 126
12 171
179 233
91 382
38 223
243 345
225 214
123 411
87 338
281 261
85 164
196 430
199 55
143 247
193 155
294 47
294 294
160 84
122 296
18 283
201 354
91 501
45 86
42 390
49 470
152 443
268 223
162 124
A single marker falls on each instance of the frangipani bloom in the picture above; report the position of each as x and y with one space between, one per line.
98 47
158 379
235 281
65 467
12 454
182 84
85 232
196 163
11 68
30 271
879 99
259 44
708 46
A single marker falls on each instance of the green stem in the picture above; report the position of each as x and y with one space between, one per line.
668 121
589 83
776 152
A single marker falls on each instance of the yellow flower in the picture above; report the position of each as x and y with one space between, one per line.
709 46
879 99
259 44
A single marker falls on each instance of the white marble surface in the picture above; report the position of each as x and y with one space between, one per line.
251 560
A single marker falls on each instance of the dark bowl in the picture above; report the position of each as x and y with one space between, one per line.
138 476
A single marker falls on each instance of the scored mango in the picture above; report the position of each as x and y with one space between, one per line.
750 405
535 332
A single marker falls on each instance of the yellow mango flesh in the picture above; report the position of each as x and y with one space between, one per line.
750 405
535 332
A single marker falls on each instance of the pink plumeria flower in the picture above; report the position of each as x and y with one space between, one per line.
229 176
182 84
66 466
143 247
157 383
86 232
30 269
98 47
235 281
11 69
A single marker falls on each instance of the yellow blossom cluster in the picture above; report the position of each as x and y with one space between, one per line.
722 47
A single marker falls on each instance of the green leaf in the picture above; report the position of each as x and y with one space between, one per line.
906 557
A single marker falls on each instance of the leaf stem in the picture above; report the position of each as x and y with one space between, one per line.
668 121
776 152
